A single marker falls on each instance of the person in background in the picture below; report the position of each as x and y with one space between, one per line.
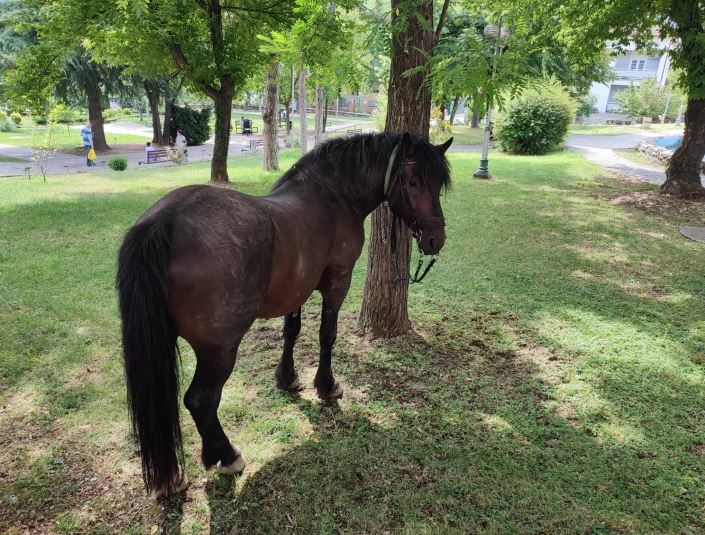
87 137
147 150
180 143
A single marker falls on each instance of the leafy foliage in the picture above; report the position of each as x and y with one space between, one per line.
16 118
193 123
119 163
645 100
586 105
537 121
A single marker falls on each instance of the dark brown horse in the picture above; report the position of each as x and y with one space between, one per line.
204 262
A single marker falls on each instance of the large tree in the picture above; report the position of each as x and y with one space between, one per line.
682 23
384 307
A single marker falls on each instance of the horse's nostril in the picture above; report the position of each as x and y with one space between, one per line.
432 243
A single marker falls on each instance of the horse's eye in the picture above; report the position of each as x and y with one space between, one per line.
413 183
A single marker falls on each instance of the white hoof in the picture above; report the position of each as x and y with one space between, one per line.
179 484
237 466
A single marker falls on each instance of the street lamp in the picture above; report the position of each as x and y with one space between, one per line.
496 32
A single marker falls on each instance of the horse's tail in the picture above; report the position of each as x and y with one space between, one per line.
150 351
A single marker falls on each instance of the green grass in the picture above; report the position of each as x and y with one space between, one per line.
65 139
556 384
636 156
464 135
615 130
10 159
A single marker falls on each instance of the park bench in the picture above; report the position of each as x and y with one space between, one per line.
354 131
155 155
246 129
255 145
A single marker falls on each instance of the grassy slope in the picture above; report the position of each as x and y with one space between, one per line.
63 138
556 384
637 157
615 130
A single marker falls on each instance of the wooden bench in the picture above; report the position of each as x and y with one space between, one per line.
354 131
255 145
153 156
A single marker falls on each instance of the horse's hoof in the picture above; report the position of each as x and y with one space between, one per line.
290 385
335 392
179 484
236 467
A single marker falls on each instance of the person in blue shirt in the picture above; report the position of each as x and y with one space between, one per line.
87 137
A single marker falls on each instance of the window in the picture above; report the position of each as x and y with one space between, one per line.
633 65
641 65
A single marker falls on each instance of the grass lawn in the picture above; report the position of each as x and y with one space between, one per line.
637 157
556 383
10 159
464 135
65 139
618 129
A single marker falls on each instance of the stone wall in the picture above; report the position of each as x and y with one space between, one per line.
658 154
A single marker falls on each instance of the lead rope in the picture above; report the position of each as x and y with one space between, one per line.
415 278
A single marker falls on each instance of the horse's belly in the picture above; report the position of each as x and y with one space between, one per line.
287 293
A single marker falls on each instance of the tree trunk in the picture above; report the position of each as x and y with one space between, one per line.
270 117
384 305
453 110
475 121
95 114
168 108
302 110
320 120
683 172
152 90
223 114
325 113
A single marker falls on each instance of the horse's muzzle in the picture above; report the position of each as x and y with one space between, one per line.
432 240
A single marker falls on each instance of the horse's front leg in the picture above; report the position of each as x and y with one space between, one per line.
285 374
334 292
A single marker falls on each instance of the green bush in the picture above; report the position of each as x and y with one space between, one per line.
3 115
7 125
16 117
537 121
40 120
193 124
61 114
119 163
646 100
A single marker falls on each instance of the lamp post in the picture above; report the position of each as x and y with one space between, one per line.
496 32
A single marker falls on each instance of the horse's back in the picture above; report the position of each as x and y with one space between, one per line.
220 258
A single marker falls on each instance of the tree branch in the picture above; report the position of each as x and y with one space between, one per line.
442 19
182 63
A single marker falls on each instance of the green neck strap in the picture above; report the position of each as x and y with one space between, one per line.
388 175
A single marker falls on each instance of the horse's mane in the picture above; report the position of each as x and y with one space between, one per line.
350 166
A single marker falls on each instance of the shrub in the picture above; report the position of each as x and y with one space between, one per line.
645 100
7 125
440 129
119 163
61 114
537 121
193 123
3 115
40 120
586 105
16 117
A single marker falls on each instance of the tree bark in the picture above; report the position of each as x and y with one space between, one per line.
302 110
683 172
325 113
320 120
153 93
270 117
223 115
168 108
384 305
475 121
453 110
95 114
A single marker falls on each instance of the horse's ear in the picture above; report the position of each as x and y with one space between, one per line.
444 147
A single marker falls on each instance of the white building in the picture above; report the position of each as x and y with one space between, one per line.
632 67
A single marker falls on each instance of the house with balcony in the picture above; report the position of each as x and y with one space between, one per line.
631 67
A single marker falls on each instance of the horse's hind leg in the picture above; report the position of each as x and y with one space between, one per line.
285 374
213 367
